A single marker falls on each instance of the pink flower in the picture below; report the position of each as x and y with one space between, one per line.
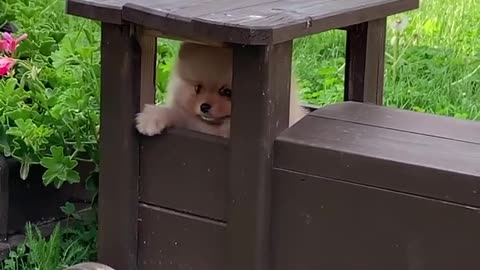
6 64
9 44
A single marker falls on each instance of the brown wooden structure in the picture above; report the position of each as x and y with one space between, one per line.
360 186
355 186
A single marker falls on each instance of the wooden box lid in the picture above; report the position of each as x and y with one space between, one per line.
421 154
244 22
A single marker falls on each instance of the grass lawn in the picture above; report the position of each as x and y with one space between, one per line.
432 66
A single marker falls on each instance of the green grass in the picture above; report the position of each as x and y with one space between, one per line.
432 66
66 246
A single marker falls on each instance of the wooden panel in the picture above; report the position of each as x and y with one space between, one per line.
4 192
260 110
193 175
409 121
270 22
254 22
326 224
119 149
104 10
365 62
174 241
148 45
31 201
191 29
414 163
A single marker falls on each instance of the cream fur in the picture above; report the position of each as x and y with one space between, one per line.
210 67
90 266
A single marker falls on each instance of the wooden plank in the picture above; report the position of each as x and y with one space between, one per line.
251 22
321 223
148 45
391 159
258 23
278 13
342 18
4 196
159 34
180 8
174 241
109 11
261 85
403 120
195 9
31 201
179 27
193 174
119 147
365 67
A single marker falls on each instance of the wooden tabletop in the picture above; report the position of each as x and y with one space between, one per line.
239 21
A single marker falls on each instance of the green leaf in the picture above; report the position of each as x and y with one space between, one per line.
73 176
58 36
25 167
48 46
60 168
68 209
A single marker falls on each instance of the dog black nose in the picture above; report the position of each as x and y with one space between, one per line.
205 107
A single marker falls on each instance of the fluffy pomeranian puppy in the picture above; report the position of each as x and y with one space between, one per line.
89 266
199 94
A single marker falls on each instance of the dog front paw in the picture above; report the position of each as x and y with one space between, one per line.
153 120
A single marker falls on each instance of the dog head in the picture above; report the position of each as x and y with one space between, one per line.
205 78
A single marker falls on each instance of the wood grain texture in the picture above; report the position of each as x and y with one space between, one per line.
170 240
261 85
255 22
104 10
403 120
119 148
321 223
386 154
148 46
365 62
185 171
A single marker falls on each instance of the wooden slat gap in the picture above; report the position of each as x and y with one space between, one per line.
183 214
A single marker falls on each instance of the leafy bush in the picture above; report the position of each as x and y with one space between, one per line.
49 105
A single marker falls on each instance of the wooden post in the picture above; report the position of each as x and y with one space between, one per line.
3 199
365 62
148 46
119 163
260 109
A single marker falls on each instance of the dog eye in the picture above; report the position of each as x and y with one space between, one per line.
225 92
198 87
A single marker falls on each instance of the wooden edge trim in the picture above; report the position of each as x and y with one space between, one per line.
95 11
